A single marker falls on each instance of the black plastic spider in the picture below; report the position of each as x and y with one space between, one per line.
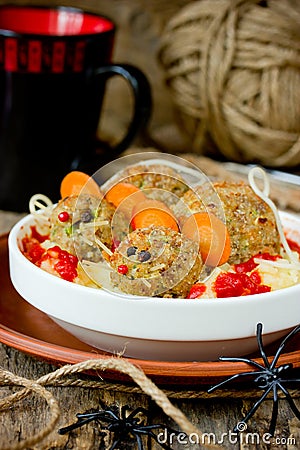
268 378
122 426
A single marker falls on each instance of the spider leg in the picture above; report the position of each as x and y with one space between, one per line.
260 344
233 377
274 411
290 401
92 415
254 407
108 415
139 441
281 346
295 380
146 428
115 443
84 418
245 360
74 426
137 411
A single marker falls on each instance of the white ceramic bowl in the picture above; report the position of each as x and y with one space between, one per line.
156 328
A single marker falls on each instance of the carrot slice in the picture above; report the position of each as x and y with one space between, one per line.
154 216
148 203
125 196
74 182
212 235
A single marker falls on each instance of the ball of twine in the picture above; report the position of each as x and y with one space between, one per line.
233 67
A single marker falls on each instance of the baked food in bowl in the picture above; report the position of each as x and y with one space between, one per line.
157 327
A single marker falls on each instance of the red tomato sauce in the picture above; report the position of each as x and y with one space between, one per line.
36 235
244 281
63 262
294 246
250 265
233 284
196 291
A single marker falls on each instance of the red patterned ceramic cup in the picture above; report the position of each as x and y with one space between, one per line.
54 64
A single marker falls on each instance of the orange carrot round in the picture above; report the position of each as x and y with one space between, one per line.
154 216
125 196
148 203
212 235
74 182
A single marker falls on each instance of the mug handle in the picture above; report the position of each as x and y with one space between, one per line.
142 104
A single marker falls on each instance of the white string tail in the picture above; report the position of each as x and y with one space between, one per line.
264 195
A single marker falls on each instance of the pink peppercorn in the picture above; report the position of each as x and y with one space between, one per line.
63 216
122 269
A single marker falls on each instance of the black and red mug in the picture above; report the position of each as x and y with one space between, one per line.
54 64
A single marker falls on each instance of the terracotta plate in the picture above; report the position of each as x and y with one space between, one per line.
29 330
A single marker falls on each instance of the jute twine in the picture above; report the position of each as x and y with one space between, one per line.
65 377
118 364
233 68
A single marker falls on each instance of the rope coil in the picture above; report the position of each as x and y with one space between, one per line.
233 68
